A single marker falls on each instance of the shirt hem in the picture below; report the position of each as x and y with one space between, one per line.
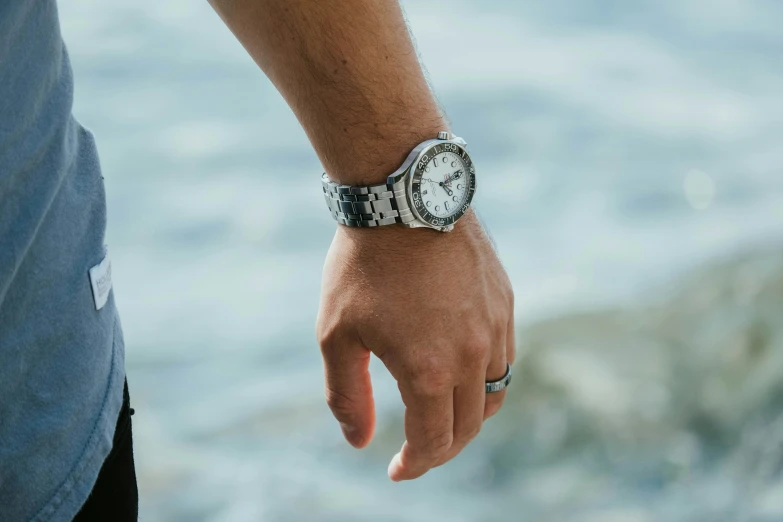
76 488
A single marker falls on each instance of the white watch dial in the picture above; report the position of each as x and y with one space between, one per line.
444 184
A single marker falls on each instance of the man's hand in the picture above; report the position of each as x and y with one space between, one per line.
350 73
441 339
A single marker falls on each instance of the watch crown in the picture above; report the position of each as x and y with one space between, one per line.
444 135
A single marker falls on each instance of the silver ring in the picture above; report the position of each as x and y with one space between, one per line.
502 384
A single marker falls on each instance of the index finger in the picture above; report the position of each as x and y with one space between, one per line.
429 432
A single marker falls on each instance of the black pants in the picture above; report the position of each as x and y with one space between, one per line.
115 496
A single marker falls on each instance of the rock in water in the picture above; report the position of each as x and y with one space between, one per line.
683 394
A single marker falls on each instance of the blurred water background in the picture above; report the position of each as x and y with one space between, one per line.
631 172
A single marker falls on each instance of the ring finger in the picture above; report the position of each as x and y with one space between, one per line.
495 371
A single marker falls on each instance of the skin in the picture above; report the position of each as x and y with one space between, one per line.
436 308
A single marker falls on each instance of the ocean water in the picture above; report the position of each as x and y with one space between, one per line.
618 144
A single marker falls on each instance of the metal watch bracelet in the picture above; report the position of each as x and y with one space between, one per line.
367 206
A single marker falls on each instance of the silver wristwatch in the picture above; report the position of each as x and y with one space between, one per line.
433 188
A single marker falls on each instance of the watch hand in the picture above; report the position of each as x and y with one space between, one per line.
446 182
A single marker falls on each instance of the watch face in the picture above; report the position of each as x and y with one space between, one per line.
442 184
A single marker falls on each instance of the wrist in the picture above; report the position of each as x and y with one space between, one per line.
399 238
367 153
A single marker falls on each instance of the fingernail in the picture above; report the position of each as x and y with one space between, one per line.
394 467
351 434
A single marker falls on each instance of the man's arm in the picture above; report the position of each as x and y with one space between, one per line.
350 73
436 308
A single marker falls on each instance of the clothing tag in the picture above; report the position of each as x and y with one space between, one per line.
100 279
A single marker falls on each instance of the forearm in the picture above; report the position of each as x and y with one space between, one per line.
350 73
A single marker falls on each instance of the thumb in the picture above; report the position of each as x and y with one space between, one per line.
349 389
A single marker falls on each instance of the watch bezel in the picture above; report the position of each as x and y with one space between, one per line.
413 188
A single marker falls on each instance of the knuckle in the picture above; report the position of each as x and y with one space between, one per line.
429 378
438 444
478 340
475 352
432 385
326 338
342 406
468 433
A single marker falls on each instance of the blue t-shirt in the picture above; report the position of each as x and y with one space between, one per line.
61 358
